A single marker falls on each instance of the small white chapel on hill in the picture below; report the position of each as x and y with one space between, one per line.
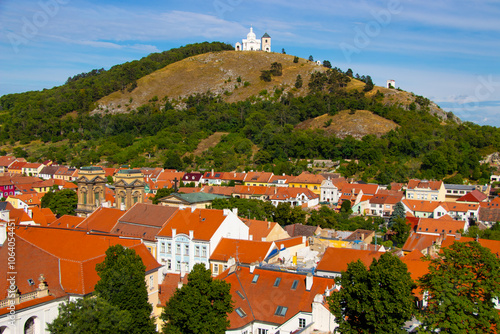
251 43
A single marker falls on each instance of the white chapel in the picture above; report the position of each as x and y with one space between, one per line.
251 43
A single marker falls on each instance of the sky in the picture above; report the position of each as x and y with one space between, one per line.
447 51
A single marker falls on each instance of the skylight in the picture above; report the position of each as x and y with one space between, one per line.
255 278
281 310
240 312
277 281
295 284
240 294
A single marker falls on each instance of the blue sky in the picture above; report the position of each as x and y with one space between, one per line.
448 51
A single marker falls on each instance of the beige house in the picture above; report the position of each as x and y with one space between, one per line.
426 190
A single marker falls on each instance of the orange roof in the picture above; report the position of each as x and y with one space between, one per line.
218 190
289 242
337 259
433 185
204 223
285 193
438 226
459 207
493 245
43 217
32 165
246 251
233 176
386 199
70 185
168 286
17 165
109 195
258 228
254 190
67 258
367 188
417 241
495 203
421 206
6 160
416 267
169 175
258 177
306 177
101 220
67 221
30 199
474 196
19 216
262 298
275 178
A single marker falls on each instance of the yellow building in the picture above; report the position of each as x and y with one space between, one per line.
309 181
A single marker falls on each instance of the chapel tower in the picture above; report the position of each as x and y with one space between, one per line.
266 42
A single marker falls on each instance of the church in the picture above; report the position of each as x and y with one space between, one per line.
251 43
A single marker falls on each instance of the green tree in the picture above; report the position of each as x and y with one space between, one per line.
173 161
295 59
402 229
90 315
311 58
398 212
265 75
122 284
378 300
276 69
346 207
369 84
349 72
201 306
160 193
462 282
298 81
327 64
61 202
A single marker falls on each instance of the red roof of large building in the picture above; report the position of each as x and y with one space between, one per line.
438 226
203 222
101 220
336 259
432 185
262 298
306 177
245 251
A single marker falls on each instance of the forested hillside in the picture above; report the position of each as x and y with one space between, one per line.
266 130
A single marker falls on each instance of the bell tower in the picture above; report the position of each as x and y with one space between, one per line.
266 42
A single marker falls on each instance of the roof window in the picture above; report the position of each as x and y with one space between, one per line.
281 310
240 312
255 278
295 284
277 282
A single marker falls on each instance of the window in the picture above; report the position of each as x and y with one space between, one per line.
169 247
295 284
240 294
277 281
255 278
302 323
162 247
204 251
216 268
151 282
169 264
281 311
263 331
240 312
178 266
197 251
178 249
224 268
186 249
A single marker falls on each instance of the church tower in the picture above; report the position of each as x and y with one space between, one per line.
91 190
266 42
129 188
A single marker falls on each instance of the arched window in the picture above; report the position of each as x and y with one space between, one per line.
29 326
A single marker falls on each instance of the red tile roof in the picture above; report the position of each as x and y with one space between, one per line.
6 160
417 241
262 298
433 185
168 286
204 223
67 221
421 206
285 193
474 196
169 175
290 242
246 251
417 268
218 190
438 226
336 259
101 220
306 177
258 177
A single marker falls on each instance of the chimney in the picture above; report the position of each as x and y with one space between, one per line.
191 234
458 236
235 211
250 237
252 267
225 212
174 232
268 223
309 282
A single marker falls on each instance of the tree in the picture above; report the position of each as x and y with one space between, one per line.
122 284
369 84
173 161
349 72
311 58
298 81
327 64
295 59
90 315
200 306
378 300
265 75
283 51
61 202
276 69
462 282
402 229
346 207
398 212
161 193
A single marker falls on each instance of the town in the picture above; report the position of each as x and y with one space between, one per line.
283 242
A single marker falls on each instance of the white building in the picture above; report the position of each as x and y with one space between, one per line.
191 236
251 43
